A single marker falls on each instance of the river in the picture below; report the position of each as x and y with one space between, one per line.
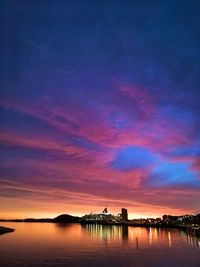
49 244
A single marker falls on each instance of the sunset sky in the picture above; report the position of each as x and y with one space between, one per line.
99 107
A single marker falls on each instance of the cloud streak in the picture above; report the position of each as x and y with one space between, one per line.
94 113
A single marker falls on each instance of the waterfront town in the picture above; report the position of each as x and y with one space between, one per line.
190 223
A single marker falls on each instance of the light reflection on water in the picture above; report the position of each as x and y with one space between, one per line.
47 244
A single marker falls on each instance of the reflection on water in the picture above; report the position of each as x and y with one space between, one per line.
191 241
145 236
106 232
47 244
169 238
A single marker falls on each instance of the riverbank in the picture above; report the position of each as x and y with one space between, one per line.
190 229
4 230
194 230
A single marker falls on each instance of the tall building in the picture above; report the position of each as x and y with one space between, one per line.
124 214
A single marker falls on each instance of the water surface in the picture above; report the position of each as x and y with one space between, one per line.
48 244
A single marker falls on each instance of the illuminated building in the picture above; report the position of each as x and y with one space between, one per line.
124 214
106 217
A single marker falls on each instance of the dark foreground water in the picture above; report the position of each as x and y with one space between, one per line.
48 244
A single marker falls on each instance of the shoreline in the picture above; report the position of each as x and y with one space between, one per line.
4 230
189 229
186 228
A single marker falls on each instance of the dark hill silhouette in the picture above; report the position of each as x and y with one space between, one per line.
66 218
37 220
63 218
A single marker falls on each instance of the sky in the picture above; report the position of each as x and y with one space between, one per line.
99 107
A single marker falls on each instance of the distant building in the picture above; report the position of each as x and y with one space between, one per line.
105 217
170 218
183 220
124 214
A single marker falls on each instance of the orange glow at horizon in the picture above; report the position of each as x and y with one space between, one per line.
82 210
